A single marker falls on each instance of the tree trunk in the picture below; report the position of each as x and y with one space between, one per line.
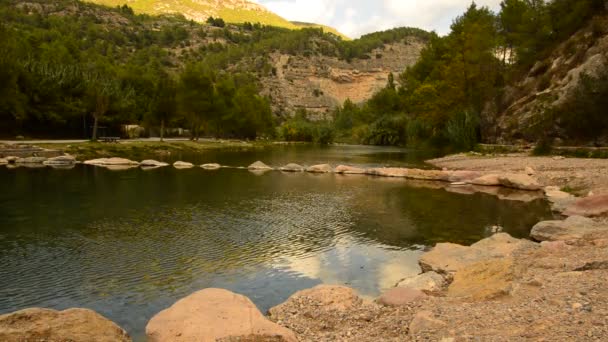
162 130
95 124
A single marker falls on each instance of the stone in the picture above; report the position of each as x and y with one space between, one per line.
572 228
325 297
292 168
11 159
3 161
110 161
214 314
61 160
448 258
590 206
425 321
322 168
484 280
428 281
213 166
349 170
529 171
560 200
152 163
75 325
463 176
519 181
258 165
400 296
487 180
182 165
388 172
31 160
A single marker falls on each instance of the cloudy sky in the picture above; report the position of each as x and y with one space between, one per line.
356 17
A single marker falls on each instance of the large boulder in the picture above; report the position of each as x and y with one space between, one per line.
591 206
322 168
428 281
259 166
483 280
31 160
559 200
349 170
61 161
448 258
323 297
74 325
573 228
519 181
152 163
292 168
211 315
180 165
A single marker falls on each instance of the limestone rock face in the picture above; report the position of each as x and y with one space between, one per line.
322 168
152 163
429 281
574 227
349 170
258 165
292 168
589 206
61 160
211 315
448 258
325 297
212 166
182 165
75 325
399 296
483 280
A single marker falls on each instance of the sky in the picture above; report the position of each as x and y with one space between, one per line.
357 17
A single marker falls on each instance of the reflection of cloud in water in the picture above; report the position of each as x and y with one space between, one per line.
369 269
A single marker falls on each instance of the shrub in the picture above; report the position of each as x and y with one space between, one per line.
462 130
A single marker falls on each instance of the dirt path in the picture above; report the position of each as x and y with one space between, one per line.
577 175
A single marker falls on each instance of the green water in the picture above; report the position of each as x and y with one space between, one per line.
128 244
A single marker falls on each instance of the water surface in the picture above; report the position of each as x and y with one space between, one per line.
128 244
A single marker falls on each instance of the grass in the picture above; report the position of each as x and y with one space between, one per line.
141 150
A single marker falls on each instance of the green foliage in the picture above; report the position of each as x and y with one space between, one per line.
217 22
300 128
543 147
462 130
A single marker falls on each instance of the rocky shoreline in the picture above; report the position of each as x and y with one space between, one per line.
551 287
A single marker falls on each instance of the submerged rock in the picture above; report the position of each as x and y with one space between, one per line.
292 168
448 258
429 281
258 165
211 166
322 168
213 315
574 227
182 165
349 170
152 163
590 206
76 325
31 160
61 160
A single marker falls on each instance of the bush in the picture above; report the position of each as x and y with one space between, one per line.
543 147
462 130
388 130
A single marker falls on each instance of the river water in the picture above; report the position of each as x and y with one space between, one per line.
128 244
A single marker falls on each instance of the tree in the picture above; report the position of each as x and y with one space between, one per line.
164 103
196 98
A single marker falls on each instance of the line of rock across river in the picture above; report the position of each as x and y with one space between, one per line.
554 288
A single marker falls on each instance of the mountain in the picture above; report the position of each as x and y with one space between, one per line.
232 11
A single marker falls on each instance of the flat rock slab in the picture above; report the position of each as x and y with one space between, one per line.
75 325
484 280
519 181
400 296
258 165
61 160
211 315
322 168
429 282
111 161
591 206
448 258
572 228
153 163
213 166
182 165
349 170
31 160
